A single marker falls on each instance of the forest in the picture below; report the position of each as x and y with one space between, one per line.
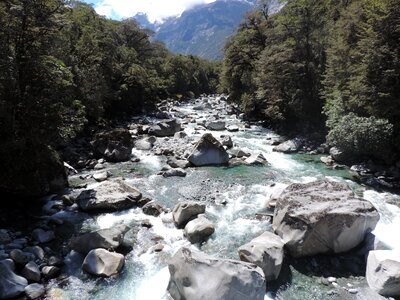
325 67
64 68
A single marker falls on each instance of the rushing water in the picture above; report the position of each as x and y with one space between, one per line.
234 196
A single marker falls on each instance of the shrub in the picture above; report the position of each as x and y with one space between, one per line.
361 137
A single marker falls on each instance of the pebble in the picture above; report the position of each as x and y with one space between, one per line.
353 291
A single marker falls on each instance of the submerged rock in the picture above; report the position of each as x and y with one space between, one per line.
11 285
199 230
100 262
178 172
322 217
185 211
165 128
110 238
266 251
383 272
195 275
114 146
208 151
109 196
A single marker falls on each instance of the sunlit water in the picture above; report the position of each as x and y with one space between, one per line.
244 191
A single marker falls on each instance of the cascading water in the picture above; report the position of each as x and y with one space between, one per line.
233 195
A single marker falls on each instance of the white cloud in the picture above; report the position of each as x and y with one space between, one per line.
155 9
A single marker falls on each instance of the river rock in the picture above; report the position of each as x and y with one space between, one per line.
152 208
383 272
110 238
35 250
290 146
226 141
239 153
174 173
178 163
20 257
114 146
100 262
165 128
256 160
42 236
196 275
31 272
199 230
180 135
109 196
50 272
11 285
216 125
208 151
145 143
322 217
266 251
101 176
232 128
183 212
34 290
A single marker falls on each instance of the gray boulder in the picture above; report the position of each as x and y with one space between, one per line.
226 141
256 160
174 173
145 143
216 125
21 257
383 272
197 276
208 151
199 230
109 196
43 236
180 135
114 146
34 291
185 211
100 176
290 146
233 128
109 239
50 272
100 262
165 128
152 208
266 251
178 163
31 272
322 217
11 285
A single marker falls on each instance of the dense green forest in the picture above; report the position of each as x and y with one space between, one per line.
64 67
322 66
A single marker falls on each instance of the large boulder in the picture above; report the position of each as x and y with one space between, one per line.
100 262
290 146
208 151
114 146
30 170
109 196
184 212
195 275
322 217
165 128
109 239
216 125
266 251
11 285
383 272
199 230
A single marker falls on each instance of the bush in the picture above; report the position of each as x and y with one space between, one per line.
360 137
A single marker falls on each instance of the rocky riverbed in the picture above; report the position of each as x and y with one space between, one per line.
193 202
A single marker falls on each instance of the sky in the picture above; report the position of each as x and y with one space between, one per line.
155 9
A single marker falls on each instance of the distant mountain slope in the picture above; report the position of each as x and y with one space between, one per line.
202 30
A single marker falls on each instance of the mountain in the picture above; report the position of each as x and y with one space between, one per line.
201 30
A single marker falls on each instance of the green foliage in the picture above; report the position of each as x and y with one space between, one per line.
363 137
63 66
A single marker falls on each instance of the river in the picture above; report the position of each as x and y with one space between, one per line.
234 195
